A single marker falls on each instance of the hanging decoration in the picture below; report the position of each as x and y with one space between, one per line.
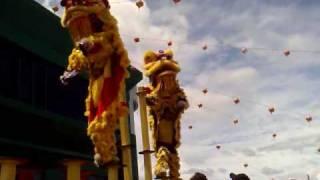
55 8
139 4
205 47
236 100
286 52
166 102
274 135
205 91
99 51
309 119
271 109
136 39
176 1
218 147
244 50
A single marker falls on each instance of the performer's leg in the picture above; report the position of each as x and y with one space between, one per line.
162 156
174 164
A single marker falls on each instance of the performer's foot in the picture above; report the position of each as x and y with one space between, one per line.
161 175
97 159
99 163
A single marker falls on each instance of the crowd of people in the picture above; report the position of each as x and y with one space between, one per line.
233 176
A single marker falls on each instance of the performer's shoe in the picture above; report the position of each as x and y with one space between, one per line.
115 161
161 175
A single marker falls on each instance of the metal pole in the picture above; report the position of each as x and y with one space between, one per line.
125 143
73 169
145 134
113 172
8 169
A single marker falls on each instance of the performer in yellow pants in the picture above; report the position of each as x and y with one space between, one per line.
166 102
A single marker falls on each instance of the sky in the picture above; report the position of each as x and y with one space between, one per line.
260 78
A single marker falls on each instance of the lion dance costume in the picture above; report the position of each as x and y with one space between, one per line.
166 102
98 50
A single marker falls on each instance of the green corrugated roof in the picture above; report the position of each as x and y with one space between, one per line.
31 26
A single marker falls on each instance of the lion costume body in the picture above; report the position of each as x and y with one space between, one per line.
166 102
100 52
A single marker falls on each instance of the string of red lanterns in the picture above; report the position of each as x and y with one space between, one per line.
271 109
243 50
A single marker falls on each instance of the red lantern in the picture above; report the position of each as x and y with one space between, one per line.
170 43
176 1
244 50
274 135
218 147
205 91
136 40
139 4
286 52
272 110
309 119
205 47
55 9
236 100
200 105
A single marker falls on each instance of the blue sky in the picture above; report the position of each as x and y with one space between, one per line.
259 78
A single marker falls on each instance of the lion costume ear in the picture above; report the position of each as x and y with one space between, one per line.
169 52
149 56
106 2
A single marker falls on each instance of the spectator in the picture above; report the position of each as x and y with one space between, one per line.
239 176
198 176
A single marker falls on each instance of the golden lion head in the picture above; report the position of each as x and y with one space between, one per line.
157 64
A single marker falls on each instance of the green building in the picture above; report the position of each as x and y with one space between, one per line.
42 121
